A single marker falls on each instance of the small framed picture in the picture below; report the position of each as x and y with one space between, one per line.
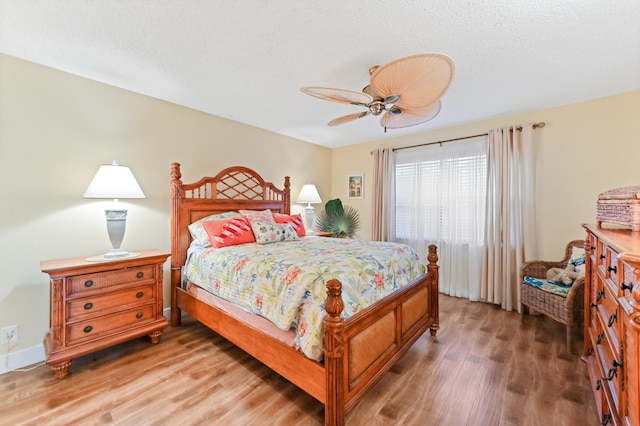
356 186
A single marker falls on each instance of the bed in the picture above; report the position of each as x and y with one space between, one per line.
357 351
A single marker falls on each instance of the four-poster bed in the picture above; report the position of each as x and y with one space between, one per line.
357 350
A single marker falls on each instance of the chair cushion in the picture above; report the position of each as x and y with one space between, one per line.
548 285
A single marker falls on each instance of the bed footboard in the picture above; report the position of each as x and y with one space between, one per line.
359 351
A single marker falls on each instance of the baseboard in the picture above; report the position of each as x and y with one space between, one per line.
21 359
34 355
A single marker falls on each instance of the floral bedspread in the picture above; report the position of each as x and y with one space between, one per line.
286 281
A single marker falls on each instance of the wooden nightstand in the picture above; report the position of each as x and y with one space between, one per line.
99 304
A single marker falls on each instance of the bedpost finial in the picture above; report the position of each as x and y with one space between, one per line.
432 257
334 304
175 171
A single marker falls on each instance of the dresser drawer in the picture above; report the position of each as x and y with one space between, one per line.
611 372
90 282
628 281
91 306
611 270
98 327
595 378
609 313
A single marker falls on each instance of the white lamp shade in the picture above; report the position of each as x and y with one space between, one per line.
309 194
114 181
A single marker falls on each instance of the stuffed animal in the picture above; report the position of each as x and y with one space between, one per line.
566 276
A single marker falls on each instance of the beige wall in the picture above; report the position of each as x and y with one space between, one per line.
56 129
585 149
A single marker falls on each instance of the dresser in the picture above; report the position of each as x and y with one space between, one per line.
612 323
94 305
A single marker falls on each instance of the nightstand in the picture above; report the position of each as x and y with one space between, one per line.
95 305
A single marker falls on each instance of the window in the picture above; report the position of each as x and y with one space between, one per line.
440 192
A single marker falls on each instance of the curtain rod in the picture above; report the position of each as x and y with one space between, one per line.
519 128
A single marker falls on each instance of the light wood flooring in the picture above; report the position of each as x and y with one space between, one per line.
482 368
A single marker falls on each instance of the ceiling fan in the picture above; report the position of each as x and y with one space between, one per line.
406 91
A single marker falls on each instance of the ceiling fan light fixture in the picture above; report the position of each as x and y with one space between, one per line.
409 118
392 98
407 91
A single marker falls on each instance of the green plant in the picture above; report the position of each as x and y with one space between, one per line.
341 221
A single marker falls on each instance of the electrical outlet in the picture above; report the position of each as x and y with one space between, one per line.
9 334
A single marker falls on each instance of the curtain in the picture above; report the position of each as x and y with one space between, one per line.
509 230
383 228
440 199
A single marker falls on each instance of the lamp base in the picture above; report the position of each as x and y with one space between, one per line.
106 257
309 213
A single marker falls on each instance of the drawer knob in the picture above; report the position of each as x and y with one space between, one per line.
599 295
88 283
598 384
88 329
593 247
139 294
600 338
624 287
88 306
593 305
606 419
603 256
613 269
140 274
139 315
612 319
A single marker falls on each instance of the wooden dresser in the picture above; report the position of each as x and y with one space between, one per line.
99 304
612 323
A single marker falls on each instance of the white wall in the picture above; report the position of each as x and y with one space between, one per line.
55 131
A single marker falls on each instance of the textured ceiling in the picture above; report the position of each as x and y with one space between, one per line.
246 60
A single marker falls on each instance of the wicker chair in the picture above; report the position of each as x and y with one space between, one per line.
566 310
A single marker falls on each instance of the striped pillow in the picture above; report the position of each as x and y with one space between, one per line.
229 232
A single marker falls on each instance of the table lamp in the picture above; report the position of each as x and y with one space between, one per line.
114 181
309 194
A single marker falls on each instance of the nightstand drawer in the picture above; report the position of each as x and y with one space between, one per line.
101 304
94 328
100 280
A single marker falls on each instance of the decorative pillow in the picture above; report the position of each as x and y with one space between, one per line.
295 221
198 232
264 216
578 259
266 233
229 232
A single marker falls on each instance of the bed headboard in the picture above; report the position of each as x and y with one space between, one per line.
234 188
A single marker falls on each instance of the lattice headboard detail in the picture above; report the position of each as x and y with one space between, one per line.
234 188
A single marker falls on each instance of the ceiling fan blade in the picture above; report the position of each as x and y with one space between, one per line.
410 117
420 80
347 118
338 95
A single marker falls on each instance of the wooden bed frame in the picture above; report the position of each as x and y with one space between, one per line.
357 351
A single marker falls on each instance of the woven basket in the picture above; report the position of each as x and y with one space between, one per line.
620 206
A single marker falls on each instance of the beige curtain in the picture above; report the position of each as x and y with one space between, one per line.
509 229
383 223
